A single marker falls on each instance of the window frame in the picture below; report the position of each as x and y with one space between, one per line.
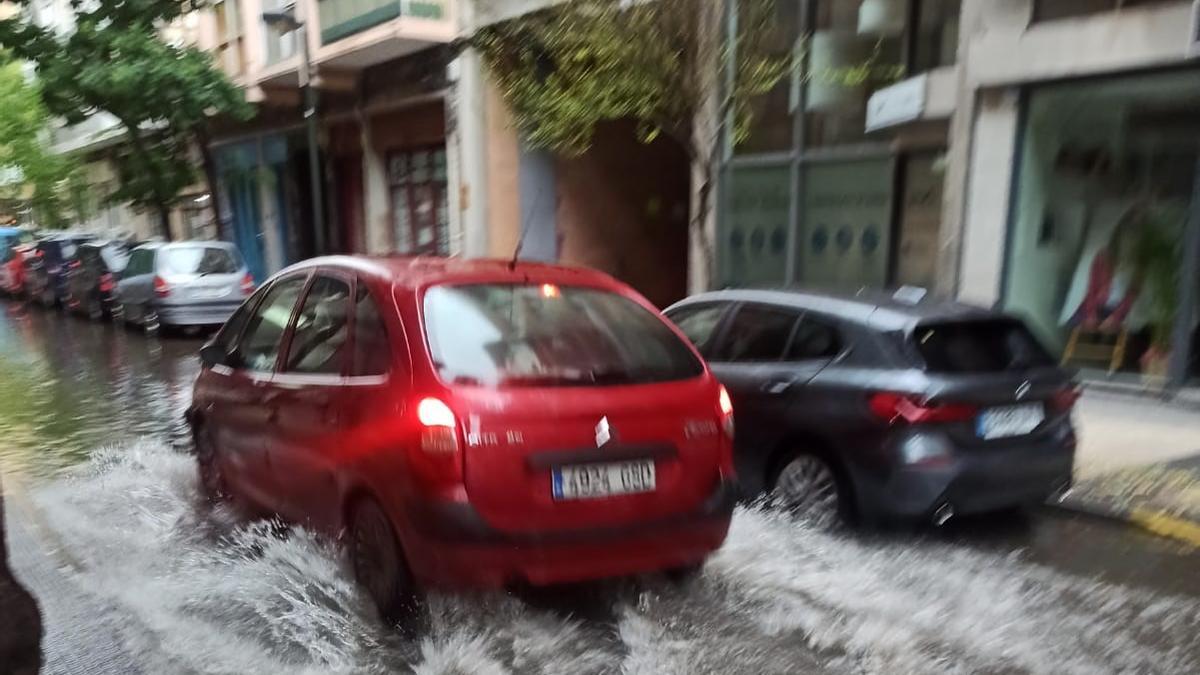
802 314
398 173
721 345
289 332
284 338
822 320
1036 17
708 349
393 357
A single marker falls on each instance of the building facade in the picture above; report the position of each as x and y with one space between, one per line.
1074 175
990 151
823 192
380 72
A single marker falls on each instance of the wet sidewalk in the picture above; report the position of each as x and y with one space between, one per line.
79 634
1163 498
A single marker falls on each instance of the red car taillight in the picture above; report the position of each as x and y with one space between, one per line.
247 284
1063 401
725 417
725 410
106 283
161 288
440 458
896 408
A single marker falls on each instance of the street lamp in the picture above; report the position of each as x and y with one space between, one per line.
284 21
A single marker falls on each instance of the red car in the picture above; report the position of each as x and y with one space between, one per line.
468 423
14 257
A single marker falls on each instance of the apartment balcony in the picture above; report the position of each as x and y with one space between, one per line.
355 34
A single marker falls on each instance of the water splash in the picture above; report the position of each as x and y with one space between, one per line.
199 590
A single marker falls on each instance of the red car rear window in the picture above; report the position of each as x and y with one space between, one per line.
544 335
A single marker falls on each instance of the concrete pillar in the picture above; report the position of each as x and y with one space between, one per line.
274 248
502 148
376 197
988 190
467 152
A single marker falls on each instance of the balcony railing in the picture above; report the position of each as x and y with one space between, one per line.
342 18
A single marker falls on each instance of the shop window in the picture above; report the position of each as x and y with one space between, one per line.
1104 186
1049 10
754 245
935 41
856 49
920 221
845 232
420 222
773 125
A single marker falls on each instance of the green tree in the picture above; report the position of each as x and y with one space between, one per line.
45 178
662 63
164 95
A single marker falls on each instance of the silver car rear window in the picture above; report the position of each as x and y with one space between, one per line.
199 260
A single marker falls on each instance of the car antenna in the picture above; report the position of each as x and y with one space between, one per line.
527 220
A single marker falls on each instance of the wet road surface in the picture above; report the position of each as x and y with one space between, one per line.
134 570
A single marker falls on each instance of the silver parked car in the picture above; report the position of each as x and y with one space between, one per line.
183 284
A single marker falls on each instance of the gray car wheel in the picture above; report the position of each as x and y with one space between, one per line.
808 486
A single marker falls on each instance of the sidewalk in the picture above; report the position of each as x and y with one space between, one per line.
81 634
1138 462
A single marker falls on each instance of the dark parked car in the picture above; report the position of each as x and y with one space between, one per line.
468 422
92 278
874 407
47 269
183 284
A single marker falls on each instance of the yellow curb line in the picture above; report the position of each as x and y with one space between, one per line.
1165 525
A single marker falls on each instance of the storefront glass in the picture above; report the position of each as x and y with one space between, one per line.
856 48
936 42
1104 189
845 231
755 242
920 220
773 126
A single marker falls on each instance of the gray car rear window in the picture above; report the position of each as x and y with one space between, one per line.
979 346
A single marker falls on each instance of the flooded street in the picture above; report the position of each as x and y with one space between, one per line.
109 531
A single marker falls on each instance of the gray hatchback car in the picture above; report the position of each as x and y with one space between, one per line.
182 284
872 407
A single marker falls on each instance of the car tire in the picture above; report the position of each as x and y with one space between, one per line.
212 479
379 565
149 322
809 486
684 573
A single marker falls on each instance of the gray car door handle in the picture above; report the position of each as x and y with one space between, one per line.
776 386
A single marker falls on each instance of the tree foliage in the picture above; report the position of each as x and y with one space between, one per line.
661 63
566 69
115 60
46 180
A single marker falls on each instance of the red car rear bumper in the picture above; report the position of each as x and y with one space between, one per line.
455 549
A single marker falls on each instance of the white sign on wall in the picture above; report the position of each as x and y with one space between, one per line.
897 104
